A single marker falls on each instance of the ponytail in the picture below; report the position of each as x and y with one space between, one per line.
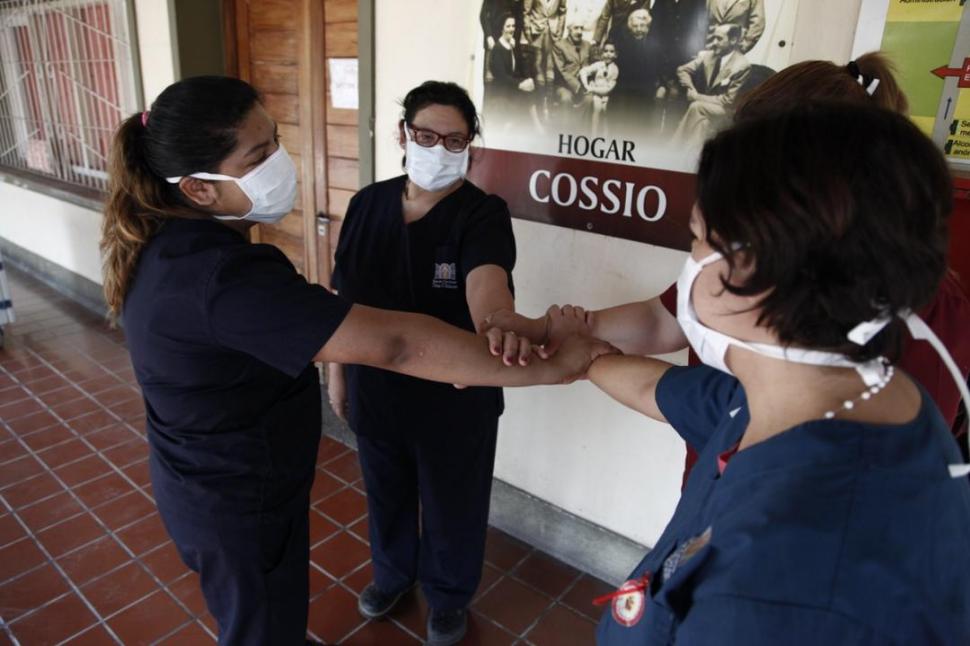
136 204
825 81
192 127
888 94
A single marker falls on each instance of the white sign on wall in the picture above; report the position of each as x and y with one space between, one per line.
343 83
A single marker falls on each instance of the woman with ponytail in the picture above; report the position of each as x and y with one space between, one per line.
223 335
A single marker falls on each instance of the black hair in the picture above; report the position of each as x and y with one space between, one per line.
442 93
191 127
842 212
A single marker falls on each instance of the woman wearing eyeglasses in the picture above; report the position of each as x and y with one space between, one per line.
428 241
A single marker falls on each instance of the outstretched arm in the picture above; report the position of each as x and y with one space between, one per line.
641 328
632 381
425 347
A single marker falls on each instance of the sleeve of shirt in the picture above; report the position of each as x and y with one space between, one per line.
695 400
338 266
487 238
736 621
258 304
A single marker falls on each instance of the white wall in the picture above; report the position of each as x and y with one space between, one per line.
62 232
58 231
569 445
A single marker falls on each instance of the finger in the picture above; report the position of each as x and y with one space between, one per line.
568 311
580 313
525 351
551 348
494 336
511 348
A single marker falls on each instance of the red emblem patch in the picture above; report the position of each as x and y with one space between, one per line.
629 603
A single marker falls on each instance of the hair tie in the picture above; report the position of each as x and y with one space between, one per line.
144 118
868 83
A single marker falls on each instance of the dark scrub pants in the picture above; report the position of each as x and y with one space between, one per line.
254 574
833 532
442 486
427 450
222 334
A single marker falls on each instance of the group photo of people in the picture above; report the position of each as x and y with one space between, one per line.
670 69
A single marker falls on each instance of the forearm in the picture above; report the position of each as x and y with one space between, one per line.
533 329
445 353
756 26
425 347
641 328
714 99
632 381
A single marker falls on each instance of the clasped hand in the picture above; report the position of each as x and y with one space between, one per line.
560 325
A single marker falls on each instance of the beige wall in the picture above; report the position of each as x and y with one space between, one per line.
156 45
568 445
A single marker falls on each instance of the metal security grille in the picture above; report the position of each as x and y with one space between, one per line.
66 80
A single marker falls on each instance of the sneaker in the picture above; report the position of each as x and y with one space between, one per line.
446 627
374 603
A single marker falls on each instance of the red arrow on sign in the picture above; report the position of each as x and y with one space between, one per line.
962 72
943 71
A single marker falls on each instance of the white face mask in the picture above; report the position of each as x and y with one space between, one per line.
435 168
711 346
270 187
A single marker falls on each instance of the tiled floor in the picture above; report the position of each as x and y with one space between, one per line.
84 558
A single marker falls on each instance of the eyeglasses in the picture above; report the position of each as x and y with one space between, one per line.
429 138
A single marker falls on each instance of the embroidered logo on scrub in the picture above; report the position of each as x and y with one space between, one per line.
629 603
445 276
684 553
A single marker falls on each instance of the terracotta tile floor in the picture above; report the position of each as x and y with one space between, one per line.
84 558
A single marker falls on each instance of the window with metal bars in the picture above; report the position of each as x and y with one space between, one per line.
67 78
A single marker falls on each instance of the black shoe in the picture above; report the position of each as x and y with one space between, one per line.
374 603
446 627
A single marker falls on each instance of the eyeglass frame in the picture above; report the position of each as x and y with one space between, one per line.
438 137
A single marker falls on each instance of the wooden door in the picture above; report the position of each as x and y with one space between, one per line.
338 157
281 47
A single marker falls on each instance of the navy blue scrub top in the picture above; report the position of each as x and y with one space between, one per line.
834 532
421 266
222 334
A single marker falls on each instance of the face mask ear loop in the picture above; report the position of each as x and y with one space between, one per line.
920 330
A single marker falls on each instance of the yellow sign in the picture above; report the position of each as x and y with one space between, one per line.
925 11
